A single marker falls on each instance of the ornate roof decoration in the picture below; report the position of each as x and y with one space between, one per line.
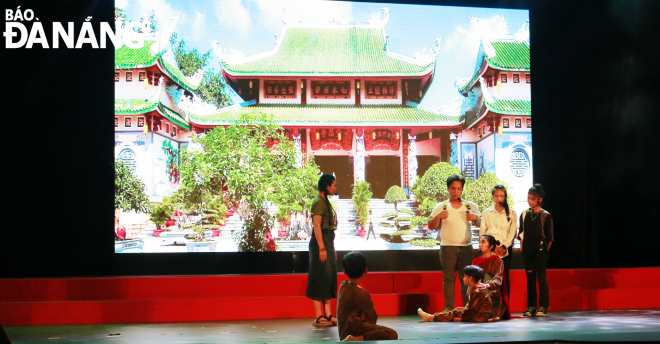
523 33
197 106
346 50
381 19
332 115
453 108
424 57
231 55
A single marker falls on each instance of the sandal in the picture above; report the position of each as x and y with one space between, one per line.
322 321
329 318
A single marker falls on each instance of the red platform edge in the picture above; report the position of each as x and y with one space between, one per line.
238 297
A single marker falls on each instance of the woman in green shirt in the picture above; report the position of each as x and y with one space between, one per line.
322 275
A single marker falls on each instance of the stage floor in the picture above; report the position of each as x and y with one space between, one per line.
606 325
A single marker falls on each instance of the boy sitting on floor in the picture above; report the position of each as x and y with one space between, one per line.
356 315
478 306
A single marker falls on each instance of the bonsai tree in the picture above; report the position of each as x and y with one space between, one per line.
129 190
395 195
361 197
159 214
433 184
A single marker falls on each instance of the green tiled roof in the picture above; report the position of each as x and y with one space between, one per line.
133 106
511 107
175 74
126 57
509 56
320 115
174 117
330 51
140 106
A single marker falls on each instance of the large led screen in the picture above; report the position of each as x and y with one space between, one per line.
229 112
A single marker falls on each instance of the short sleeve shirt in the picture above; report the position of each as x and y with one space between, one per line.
329 218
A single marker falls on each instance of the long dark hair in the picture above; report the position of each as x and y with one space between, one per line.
505 204
324 182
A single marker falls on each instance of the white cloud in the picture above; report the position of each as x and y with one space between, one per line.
240 16
163 10
463 43
233 15
122 3
199 24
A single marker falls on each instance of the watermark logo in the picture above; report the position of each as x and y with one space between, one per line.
17 36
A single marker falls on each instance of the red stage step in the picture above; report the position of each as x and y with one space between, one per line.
203 298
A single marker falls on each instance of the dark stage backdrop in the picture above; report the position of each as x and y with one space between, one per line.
595 148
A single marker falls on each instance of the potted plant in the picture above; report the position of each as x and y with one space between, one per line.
199 242
283 217
361 196
159 215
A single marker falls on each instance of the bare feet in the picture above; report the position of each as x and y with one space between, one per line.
425 316
353 339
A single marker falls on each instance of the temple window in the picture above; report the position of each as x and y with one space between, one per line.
331 89
381 89
280 89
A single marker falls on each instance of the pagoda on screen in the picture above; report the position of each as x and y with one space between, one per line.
150 128
345 98
496 135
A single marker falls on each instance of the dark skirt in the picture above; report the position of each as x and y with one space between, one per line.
322 277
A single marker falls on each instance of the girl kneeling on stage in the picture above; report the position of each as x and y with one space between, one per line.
493 276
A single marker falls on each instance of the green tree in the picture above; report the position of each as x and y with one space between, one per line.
189 61
212 87
433 184
251 161
480 191
159 214
129 190
395 195
120 14
300 190
361 196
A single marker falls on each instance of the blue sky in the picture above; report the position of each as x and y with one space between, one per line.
250 26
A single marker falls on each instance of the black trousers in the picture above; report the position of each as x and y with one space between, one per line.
507 267
536 264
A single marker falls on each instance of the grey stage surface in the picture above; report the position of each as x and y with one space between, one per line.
606 325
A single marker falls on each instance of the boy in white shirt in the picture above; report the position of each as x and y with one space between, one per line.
455 217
